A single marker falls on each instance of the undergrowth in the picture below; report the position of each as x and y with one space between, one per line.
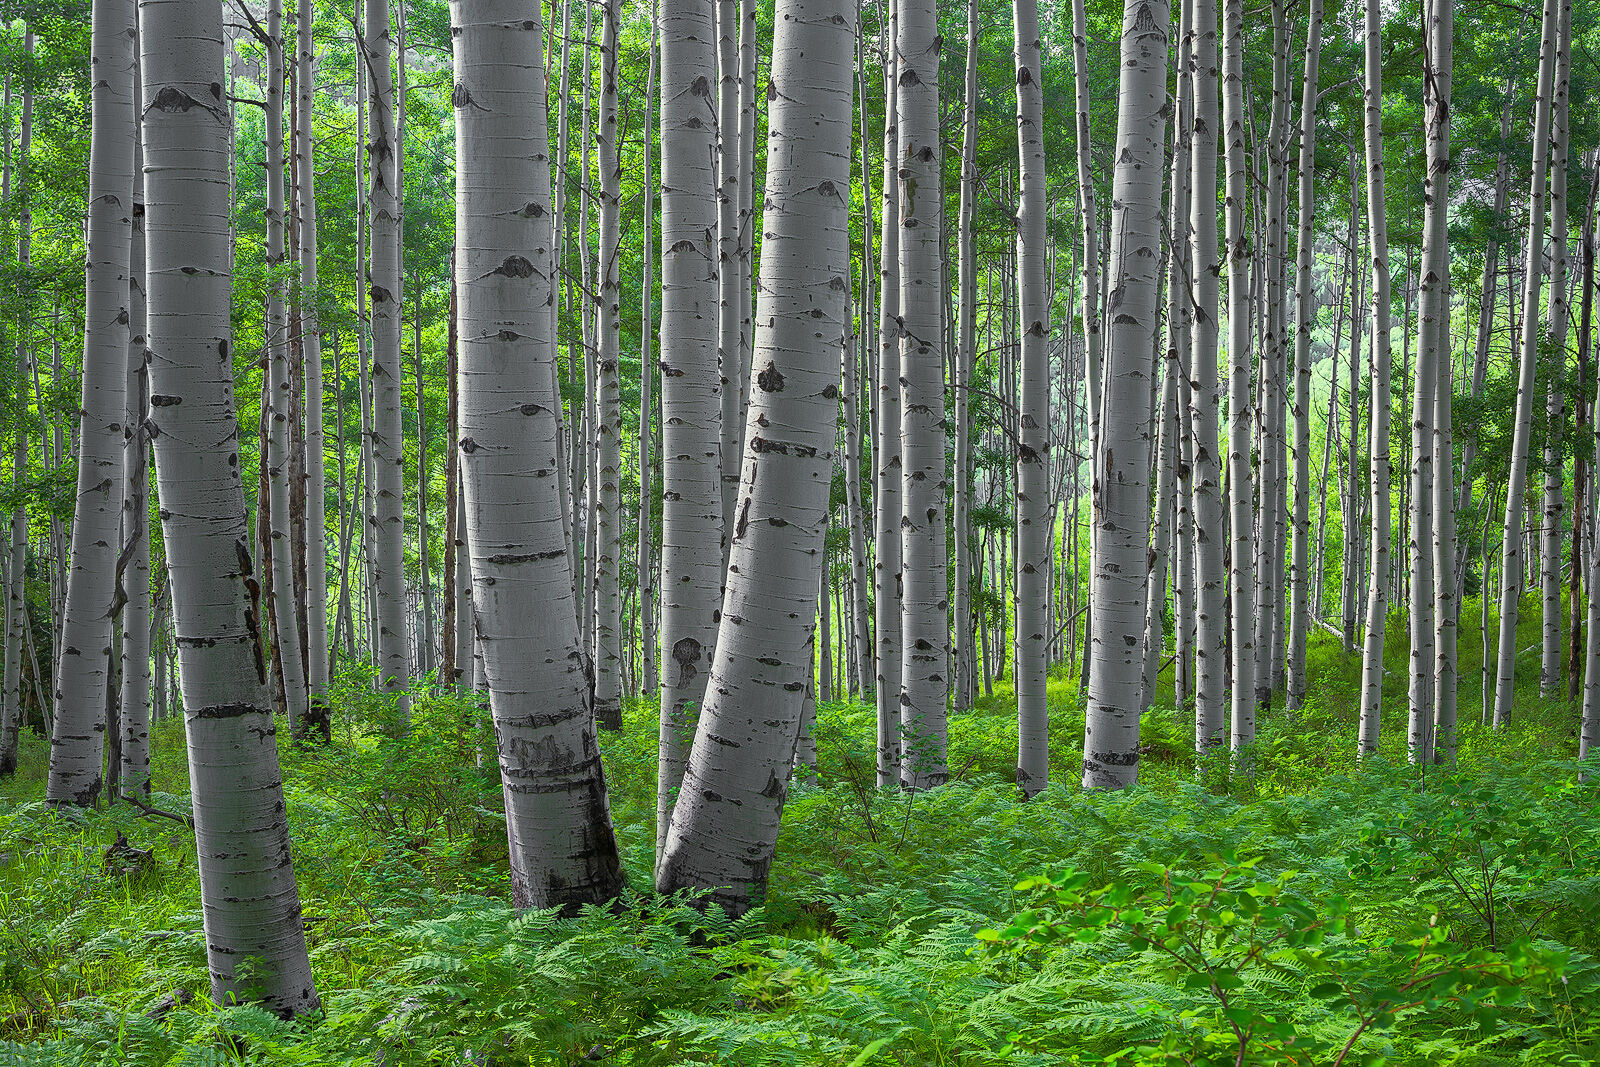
1324 909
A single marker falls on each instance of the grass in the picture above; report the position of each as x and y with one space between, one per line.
865 951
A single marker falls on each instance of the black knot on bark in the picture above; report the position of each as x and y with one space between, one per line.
515 267
701 87
770 380
468 445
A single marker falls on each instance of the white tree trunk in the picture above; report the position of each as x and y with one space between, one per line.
558 820
1300 557
608 421
1211 634
316 606
134 717
1033 432
255 941
886 570
962 663
17 618
691 520
1239 256
725 825
1558 314
1511 562
925 615
1378 243
1122 462
386 522
729 160
83 665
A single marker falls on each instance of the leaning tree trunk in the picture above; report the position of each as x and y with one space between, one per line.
1211 637
318 718
1511 560
925 616
558 820
1435 305
1122 463
1238 254
1033 433
1378 241
1555 406
255 942
886 570
725 825
608 399
1300 556
83 663
386 523
691 517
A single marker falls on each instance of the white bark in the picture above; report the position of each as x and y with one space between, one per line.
254 937
1557 316
386 521
1299 564
1239 256
1033 429
558 821
608 399
962 664
1210 606
1511 562
83 666
134 718
316 605
17 619
1122 461
925 614
1378 244
886 569
691 521
725 825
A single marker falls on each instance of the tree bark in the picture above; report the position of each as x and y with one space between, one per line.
1378 245
1511 563
608 422
725 826
925 615
17 616
255 942
1033 434
386 521
691 523
961 664
1122 462
83 664
558 821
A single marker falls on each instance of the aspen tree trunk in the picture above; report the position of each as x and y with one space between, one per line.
1589 726
18 623
860 641
1420 619
1378 245
281 598
1511 563
1238 254
1033 433
1211 635
749 94
691 522
725 826
1168 450
886 531
251 908
824 639
1088 209
318 722
925 622
1558 314
729 158
1582 491
608 422
456 650
644 561
1305 318
1351 588
83 664
1269 280
386 521
962 665
1122 463
1441 747
558 821
134 580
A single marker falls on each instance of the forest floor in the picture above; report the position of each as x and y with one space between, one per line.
1319 913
